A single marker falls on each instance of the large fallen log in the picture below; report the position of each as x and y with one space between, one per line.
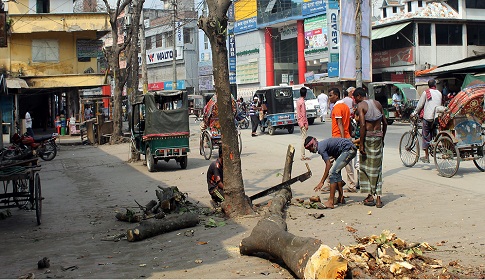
307 257
149 228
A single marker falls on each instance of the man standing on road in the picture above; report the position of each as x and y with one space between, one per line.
215 180
343 151
340 128
28 124
253 114
373 127
430 99
323 102
302 120
349 100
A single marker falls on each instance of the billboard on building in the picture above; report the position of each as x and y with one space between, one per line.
158 55
334 39
316 37
232 54
309 7
397 57
245 12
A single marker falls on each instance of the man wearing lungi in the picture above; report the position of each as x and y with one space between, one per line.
373 127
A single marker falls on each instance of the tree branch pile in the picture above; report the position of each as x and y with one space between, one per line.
170 212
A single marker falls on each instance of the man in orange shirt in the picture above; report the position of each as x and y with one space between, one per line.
340 129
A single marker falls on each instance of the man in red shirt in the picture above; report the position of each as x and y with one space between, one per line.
302 120
340 129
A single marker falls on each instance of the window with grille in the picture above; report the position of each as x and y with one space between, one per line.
45 50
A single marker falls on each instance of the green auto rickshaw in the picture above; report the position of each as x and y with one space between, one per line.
383 92
160 127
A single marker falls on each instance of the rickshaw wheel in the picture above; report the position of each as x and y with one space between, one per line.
206 146
446 157
150 160
409 149
271 129
480 163
22 187
183 162
38 199
291 128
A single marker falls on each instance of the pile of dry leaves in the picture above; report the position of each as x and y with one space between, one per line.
387 256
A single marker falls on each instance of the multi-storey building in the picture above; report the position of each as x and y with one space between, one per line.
412 36
53 51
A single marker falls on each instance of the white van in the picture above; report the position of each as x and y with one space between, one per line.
311 103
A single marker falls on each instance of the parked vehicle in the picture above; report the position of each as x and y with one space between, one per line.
45 146
280 109
161 127
311 103
196 104
383 91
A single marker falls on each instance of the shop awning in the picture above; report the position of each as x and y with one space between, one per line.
66 81
461 67
16 83
388 30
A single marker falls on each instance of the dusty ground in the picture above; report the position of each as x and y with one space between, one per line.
85 186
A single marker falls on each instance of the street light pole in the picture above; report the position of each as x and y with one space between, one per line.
174 33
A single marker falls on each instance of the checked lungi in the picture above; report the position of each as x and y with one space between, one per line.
370 174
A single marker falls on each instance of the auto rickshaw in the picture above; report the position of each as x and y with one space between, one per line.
280 111
160 127
383 92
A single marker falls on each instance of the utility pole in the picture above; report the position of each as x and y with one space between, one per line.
144 75
358 44
174 35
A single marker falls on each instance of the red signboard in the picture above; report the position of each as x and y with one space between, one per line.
3 29
397 57
156 86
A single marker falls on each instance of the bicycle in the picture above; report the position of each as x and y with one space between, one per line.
211 138
409 144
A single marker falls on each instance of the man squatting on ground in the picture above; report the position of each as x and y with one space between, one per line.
215 179
373 127
343 151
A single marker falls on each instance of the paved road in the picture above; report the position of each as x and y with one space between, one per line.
84 186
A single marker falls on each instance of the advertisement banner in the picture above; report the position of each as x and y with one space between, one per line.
334 42
245 25
160 55
232 55
312 7
316 38
397 57
179 33
205 83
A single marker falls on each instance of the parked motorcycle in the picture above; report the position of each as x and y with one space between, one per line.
242 120
45 147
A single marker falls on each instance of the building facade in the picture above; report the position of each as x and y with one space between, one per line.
53 51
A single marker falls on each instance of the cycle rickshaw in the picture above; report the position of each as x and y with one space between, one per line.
21 185
211 137
459 135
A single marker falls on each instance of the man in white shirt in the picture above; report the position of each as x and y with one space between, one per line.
429 100
28 124
323 102
396 102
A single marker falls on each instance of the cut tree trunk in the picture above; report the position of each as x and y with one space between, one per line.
149 228
307 257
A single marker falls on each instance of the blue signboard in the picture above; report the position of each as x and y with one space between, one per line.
333 69
245 25
313 7
333 4
180 85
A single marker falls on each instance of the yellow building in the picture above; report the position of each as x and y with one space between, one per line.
53 52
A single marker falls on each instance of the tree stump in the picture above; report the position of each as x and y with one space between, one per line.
149 228
307 257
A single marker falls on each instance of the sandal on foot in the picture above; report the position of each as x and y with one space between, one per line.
370 203
342 201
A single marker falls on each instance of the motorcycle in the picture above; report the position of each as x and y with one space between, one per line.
45 147
242 120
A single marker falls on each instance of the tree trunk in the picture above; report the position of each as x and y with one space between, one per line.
307 257
149 228
215 27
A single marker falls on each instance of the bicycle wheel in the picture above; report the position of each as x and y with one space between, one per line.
480 163
206 145
446 157
23 191
409 149
38 199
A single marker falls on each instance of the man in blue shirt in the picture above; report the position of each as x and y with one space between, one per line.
343 151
